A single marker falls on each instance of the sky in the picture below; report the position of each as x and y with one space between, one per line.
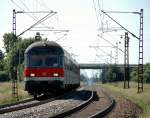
79 17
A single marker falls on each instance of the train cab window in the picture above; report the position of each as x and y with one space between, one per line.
35 61
51 61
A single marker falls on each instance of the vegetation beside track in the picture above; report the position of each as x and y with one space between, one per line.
6 93
141 99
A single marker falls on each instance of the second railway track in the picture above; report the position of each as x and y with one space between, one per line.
98 105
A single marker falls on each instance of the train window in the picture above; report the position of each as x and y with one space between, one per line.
35 61
66 63
61 61
45 51
51 61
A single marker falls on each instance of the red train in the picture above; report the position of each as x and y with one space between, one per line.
49 68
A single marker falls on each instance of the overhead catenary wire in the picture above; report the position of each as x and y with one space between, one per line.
120 24
29 11
17 5
33 16
96 13
111 43
44 5
97 47
41 20
100 7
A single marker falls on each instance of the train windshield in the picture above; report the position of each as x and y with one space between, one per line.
45 61
51 61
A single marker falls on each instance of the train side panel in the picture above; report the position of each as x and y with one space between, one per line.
72 75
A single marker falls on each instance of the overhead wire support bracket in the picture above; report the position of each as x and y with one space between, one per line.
41 20
120 24
49 30
34 11
112 44
122 12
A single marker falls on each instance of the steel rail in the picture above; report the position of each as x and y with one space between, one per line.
16 108
13 107
16 103
75 109
105 110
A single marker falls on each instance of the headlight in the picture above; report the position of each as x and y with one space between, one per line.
55 74
32 74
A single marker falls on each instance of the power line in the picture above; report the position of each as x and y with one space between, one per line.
28 12
44 5
33 16
41 20
24 5
17 5
120 25
111 44
96 13
100 6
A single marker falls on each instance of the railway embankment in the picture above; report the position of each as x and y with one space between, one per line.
129 102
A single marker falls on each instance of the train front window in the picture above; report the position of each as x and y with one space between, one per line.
45 61
35 61
51 61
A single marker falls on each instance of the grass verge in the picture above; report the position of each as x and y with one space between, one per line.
141 99
6 93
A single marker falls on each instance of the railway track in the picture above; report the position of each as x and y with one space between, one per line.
104 111
75 109
81 103
25 104
23 108
31 102
82 110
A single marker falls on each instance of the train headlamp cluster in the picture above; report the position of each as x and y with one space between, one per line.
32 75
44 74
55 74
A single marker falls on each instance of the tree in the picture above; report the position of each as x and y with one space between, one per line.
2 65
146 74
15 48
103 76
9 40
111 74
134 74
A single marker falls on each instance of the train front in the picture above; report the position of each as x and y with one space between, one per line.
44 72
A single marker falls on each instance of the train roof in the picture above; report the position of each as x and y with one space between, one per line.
43 44
48 44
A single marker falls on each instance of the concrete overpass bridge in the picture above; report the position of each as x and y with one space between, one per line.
102 65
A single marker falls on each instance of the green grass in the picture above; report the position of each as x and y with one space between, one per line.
6 93
141 99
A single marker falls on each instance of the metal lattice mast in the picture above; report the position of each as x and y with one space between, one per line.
116 56
140 38
126 61
13 73
14 69
140 62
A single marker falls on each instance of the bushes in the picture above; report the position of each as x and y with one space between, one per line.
4 76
